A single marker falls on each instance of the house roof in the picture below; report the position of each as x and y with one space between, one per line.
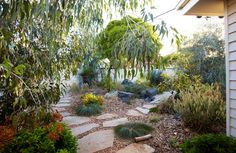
202 7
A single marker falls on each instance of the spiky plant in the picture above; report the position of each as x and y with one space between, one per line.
132 130
88 110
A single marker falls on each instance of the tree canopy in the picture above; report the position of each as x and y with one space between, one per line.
130 42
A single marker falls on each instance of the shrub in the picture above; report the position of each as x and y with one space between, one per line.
209 144
154 119
90 98
166 107
88 110
74 88
50 139
201 107
156 77
6 135
137 89
131 130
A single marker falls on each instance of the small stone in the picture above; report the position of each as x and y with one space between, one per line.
83 128
132 112
96 141
106 116
75 120
143 110
115 122
137 148
149 106
111 94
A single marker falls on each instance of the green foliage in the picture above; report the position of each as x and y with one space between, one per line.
202 107
136 88
67 142
39 141
74 88
38 46
129 42
180 81
206 54
131 130
156 77
89 110
166 107
209 143
154 119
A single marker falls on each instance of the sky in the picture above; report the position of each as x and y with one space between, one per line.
186 25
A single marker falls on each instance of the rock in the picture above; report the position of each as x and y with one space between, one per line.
161 97
127 82
132 112
96 141
83 128
75 120
59 109
99 92
115 122
151 92
149 106
143 110
125 96
62 105
137 148
106 116
111 94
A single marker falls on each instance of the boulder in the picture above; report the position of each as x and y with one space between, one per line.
111 94
125 96
151 92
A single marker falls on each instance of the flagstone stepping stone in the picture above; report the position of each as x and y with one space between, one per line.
64 101
137 148
62 105
143 110
83 128
59 109
115 122
106 116
65 114
132 112
96 141
149 106
75 120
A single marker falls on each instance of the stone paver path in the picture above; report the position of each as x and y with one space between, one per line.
103 137
132 112
83 128
106 116
143 110
115 122
96 141
137 148
75 120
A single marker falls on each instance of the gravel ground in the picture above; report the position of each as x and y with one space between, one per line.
168 134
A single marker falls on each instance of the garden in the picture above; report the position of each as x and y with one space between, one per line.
72 84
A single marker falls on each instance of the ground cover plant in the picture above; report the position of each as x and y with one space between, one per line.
209 143
91 105
132 130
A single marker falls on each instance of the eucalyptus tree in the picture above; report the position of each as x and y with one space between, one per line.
34 50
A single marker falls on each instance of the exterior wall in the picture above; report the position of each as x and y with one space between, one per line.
230 36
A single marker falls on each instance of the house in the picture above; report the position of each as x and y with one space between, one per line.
226 8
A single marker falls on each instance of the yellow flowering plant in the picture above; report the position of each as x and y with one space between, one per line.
89 98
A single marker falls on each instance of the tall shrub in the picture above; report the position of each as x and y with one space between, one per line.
202 107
